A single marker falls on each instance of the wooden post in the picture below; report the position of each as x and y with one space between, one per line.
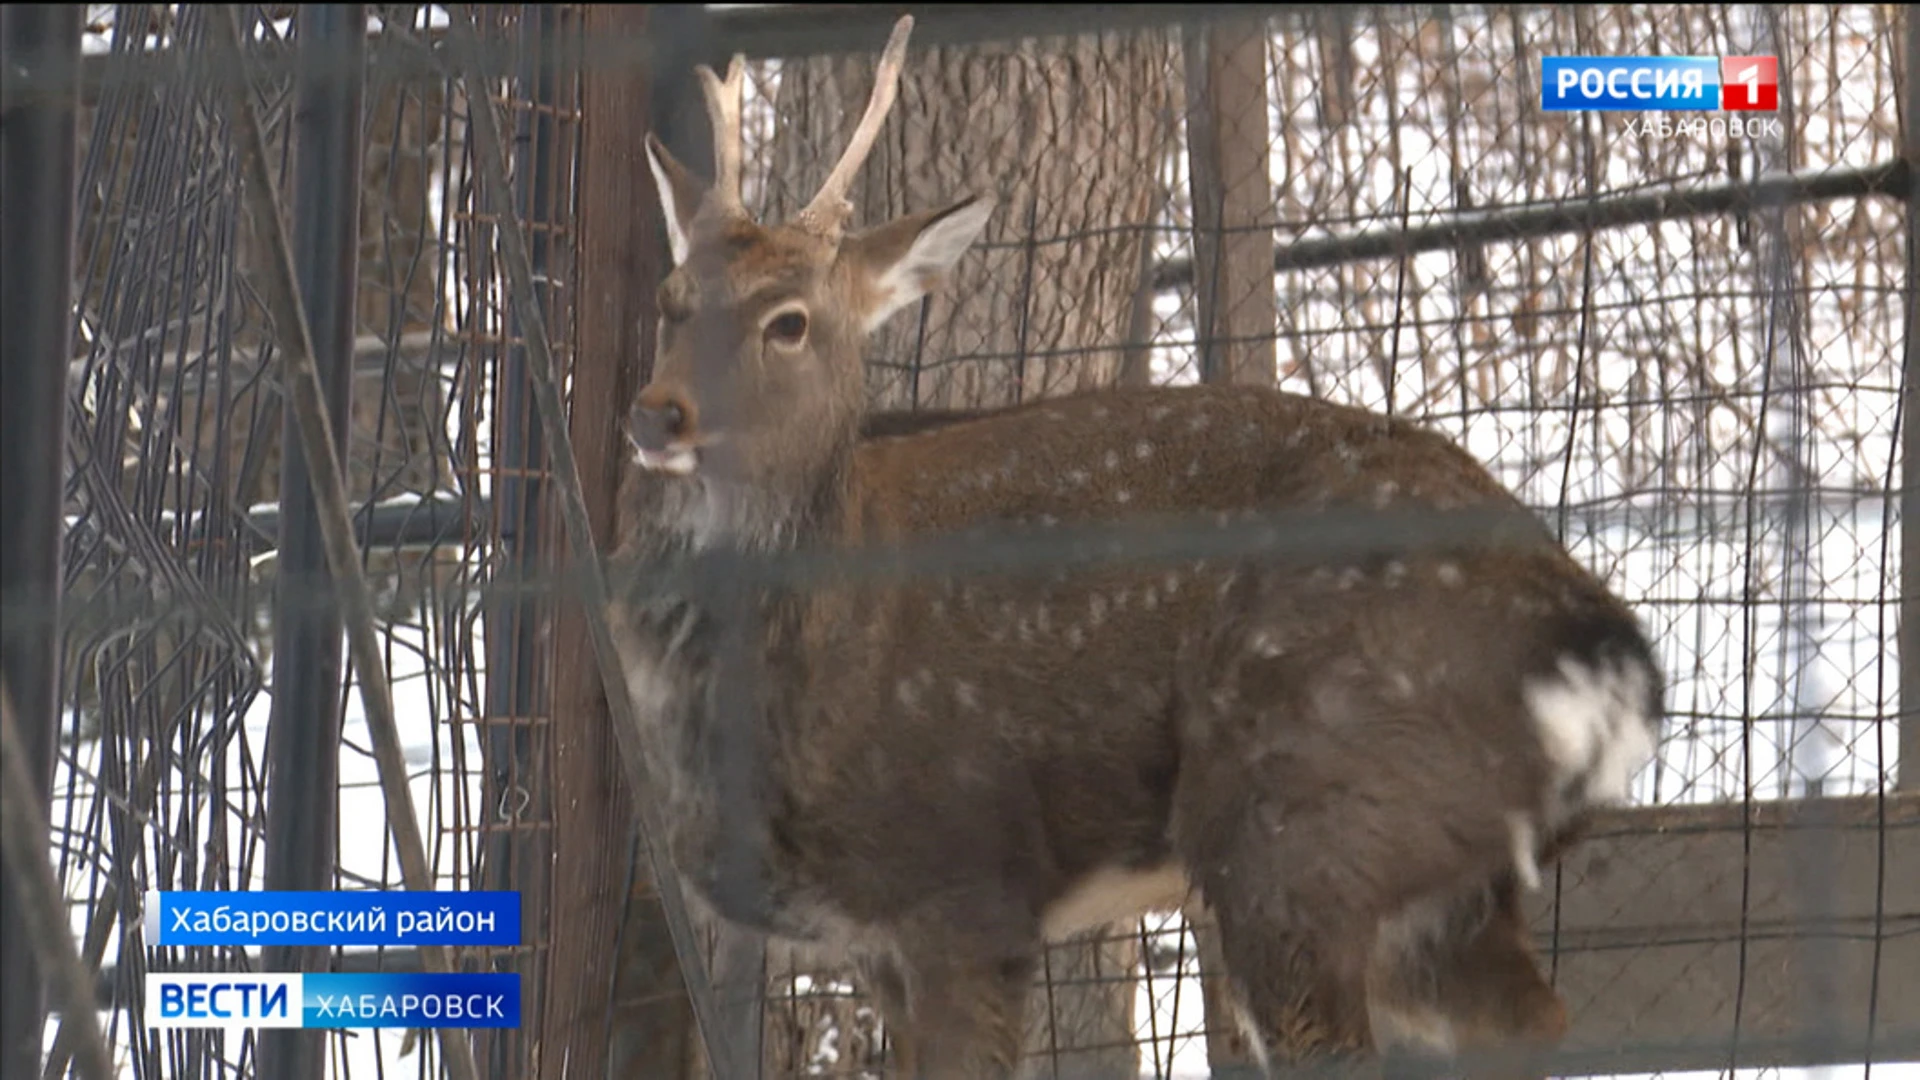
616 243
607 928
1235 315
1232 191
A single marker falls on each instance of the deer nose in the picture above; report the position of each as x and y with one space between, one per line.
658 422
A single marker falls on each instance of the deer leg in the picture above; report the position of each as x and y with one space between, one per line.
888 986
1295 957
964 1016
1307 843
1456 974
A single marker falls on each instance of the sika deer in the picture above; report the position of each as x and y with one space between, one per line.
1358 763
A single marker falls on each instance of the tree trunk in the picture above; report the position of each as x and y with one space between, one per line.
1069 134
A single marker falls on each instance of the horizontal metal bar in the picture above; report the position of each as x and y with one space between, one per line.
1503 224
760 32
793 31
425 523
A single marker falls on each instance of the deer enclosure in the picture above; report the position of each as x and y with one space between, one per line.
1686 342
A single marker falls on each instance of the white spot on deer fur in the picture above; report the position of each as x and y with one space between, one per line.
1525 843
1078 477
1099 412
1096 610
1450 575
1171 583
1149 599
1198 422
1158 412
965 694
1531 607
1193 468
1351 577
1402 684
1123 496
1594 721
1076 637
1111 460
1384 494
907 692
1143 449
1264 643
1055 414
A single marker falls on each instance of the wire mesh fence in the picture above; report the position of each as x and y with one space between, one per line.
1683 347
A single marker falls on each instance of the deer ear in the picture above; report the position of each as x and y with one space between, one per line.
907 257
681 193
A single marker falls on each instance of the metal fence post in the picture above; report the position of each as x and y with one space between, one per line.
40 46
303 741
1909 640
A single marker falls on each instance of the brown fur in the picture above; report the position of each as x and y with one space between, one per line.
1334 753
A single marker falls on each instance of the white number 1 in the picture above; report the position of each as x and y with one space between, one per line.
1751 76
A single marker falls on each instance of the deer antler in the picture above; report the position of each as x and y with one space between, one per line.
723 111
828 212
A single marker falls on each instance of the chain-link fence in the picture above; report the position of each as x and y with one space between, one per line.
1684 346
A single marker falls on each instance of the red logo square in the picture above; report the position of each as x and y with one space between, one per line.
1750 83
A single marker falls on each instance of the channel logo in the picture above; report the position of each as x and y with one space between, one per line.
1660 83
333 1000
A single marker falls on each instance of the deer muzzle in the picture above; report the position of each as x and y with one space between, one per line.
661 429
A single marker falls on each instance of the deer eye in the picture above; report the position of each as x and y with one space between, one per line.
788 329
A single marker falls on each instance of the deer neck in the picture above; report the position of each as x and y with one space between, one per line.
708 511
722 792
